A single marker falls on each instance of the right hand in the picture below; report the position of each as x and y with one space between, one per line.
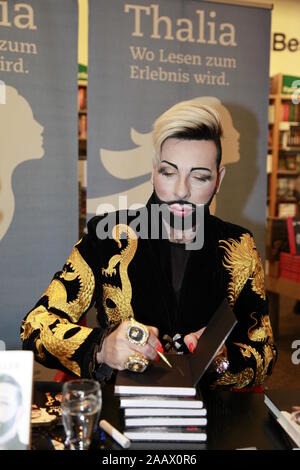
116 348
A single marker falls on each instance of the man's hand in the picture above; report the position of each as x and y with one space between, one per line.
116 348
191 340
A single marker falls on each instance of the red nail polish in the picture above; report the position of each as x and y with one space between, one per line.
157 358
191 347
159 348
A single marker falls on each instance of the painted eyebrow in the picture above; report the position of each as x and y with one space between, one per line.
192 169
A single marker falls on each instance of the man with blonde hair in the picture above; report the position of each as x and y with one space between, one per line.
169 284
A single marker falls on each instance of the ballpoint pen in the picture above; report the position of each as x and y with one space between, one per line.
164 358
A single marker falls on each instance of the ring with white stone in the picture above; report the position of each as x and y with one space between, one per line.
137 333
136 363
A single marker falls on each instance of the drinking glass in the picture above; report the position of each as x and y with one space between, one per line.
81 406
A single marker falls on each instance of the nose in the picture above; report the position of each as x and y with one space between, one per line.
182 188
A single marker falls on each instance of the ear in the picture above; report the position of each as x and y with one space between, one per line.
221 175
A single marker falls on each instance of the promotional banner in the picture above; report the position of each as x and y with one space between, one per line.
38 152
145 56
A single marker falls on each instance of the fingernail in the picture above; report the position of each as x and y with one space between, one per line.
191 347
157 358
159 348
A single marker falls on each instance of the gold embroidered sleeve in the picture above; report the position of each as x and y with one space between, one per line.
55 336
250 347
51 329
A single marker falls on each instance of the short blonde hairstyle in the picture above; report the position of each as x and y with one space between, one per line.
188 120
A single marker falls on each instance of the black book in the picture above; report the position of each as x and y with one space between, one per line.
293 227
160 401
187 370
165 434
166 412
165 421
280 403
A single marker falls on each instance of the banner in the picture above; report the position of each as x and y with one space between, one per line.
145 56
38 152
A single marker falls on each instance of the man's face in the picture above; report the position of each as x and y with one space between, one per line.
188 173
8 402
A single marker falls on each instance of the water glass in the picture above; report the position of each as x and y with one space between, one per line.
81 406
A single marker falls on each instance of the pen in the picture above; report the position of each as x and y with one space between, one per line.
115 434
164 358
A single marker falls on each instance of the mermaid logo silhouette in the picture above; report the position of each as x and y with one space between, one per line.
129 164
20 140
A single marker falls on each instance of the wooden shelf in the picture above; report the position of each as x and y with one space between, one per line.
276 98
286 199
286 97
287 172
289 149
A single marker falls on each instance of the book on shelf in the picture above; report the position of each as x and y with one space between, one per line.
287 209
164 421
180 434
293 228
158 401
16 376
187 370
281 403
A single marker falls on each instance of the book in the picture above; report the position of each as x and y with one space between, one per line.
181 434
129 412
16 377
187 370
156 401
165 421
293 228
280 404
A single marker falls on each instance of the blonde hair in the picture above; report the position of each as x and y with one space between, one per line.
188 120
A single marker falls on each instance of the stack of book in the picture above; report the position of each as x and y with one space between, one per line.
164 418
162 404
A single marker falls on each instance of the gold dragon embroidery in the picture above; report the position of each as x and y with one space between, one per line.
239 380
243 378
120 297
76 268
243 262
263 332
54 336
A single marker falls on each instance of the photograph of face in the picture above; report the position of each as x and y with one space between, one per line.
11 409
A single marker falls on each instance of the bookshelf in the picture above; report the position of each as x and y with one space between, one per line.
283 164
82 154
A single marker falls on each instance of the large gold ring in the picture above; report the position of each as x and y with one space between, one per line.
136 363
137 333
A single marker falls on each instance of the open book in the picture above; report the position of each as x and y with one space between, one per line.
280 403
16 373
187 370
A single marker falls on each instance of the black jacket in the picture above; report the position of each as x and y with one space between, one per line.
131 276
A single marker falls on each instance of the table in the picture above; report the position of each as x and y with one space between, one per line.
236 420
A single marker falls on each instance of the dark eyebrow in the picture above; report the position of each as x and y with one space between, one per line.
192 169
201 168
169 163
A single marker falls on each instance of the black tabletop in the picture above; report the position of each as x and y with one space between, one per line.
235 421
